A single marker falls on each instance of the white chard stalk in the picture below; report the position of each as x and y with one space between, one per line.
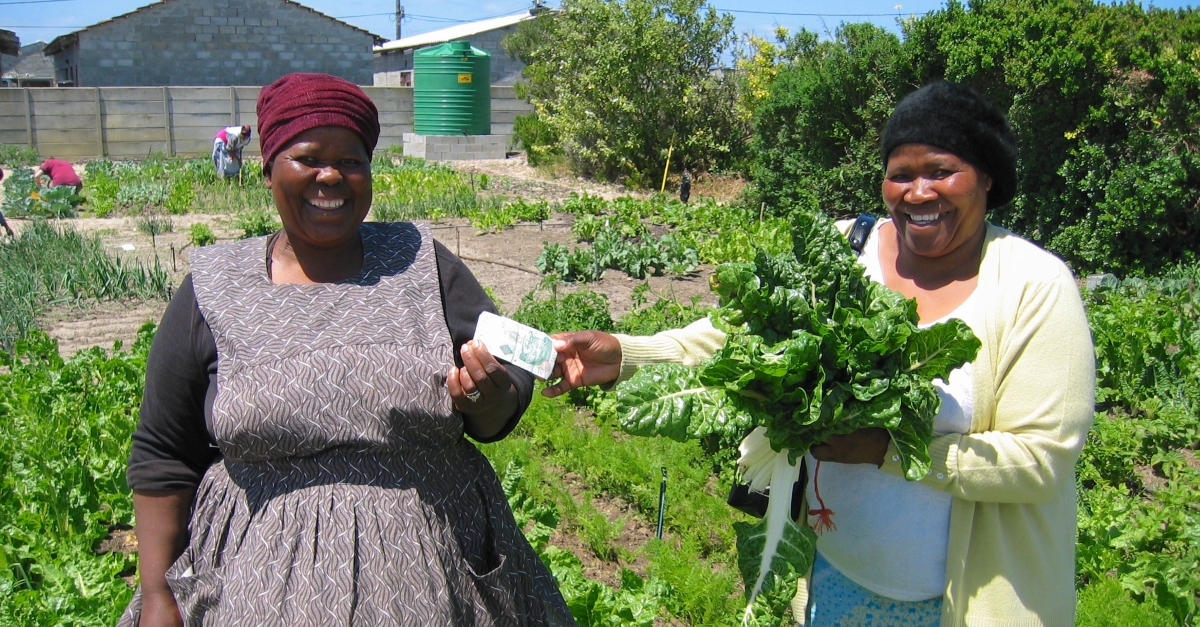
782 476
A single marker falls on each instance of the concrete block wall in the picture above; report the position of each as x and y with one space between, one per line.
455 147
78 123
220 42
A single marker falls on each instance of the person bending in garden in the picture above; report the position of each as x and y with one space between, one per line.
227 150
987 538
300 457
55 172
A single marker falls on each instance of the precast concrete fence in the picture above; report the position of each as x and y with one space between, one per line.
131 122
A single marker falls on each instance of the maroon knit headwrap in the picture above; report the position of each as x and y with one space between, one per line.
298 102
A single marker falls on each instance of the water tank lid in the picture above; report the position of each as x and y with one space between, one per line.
452 49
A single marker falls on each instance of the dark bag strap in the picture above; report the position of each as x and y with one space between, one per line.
857 237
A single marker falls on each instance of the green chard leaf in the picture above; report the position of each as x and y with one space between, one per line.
935 351
669 400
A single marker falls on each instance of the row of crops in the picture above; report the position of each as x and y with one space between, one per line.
65 424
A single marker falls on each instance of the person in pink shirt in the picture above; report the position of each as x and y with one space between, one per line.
59 172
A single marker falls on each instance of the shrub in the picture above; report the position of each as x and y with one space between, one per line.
620 82
1104 101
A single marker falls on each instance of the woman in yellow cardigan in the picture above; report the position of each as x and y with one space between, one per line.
987 538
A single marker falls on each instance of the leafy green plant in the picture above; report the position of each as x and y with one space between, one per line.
1137 476
813 349
64 435
581 309
1105 604
411 188
17 156
200 234
256 223
637 259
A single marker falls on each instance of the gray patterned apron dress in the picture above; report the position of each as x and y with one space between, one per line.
346 493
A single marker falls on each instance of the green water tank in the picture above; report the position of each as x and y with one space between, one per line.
452 91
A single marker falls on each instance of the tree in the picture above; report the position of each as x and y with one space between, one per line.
1104 101
816 135
620 82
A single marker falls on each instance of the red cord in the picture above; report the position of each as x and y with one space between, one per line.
824 515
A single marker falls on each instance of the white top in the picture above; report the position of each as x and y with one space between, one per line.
892 534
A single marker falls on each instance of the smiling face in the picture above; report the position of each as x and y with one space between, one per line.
936 199
321 181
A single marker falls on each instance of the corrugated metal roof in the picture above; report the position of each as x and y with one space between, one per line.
454 33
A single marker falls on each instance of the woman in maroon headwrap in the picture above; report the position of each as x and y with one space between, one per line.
299 457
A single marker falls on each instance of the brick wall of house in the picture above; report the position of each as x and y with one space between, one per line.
219 42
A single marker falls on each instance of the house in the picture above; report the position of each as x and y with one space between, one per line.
212 43
28 68
394 59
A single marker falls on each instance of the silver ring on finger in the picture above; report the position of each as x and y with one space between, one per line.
473 395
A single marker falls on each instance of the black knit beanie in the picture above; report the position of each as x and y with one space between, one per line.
955 118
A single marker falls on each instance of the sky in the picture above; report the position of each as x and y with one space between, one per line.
34 20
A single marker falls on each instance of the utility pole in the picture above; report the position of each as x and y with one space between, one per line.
399 17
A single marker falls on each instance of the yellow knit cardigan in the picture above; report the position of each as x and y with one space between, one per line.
1011 556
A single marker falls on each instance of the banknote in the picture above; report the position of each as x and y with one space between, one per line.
518 344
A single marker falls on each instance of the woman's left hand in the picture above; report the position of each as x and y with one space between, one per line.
482 390
864 446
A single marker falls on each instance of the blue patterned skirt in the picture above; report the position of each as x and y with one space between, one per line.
838 602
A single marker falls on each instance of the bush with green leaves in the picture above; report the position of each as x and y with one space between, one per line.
621 82
539 140
1104 101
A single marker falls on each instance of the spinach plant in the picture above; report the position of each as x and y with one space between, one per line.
813 349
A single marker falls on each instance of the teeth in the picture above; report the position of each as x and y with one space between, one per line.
327 204
922 218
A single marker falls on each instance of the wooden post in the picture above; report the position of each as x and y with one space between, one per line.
167 121
233 117
99 126
28 118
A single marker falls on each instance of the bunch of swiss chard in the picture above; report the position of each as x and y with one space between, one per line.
813 349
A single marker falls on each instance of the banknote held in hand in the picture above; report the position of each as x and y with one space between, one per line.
518 344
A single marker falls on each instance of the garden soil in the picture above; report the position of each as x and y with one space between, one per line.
502 262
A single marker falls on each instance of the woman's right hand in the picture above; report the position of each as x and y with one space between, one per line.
160 610
584 358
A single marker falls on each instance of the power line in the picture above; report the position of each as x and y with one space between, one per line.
822 14
35 2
